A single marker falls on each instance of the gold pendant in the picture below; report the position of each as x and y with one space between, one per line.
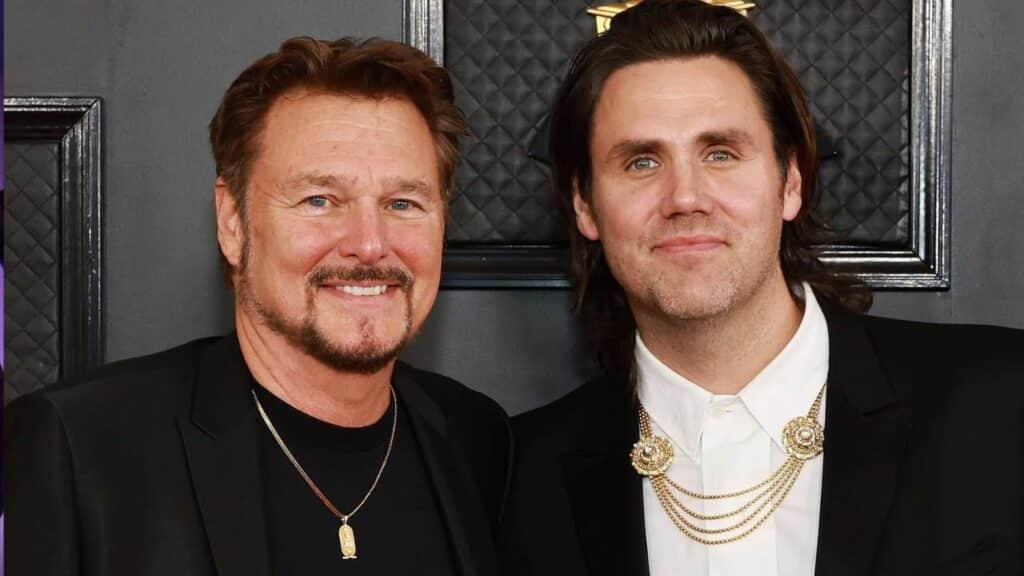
804 438
347 539
651 456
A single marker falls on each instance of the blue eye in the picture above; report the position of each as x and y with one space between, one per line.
720 156
402 204
317 201
642 163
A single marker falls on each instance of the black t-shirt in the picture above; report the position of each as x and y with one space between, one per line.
399 530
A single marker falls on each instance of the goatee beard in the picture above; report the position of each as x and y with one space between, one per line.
371 355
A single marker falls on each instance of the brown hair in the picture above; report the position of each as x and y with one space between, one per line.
668 29
371 68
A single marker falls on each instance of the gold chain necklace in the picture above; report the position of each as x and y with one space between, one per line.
346 535
652 455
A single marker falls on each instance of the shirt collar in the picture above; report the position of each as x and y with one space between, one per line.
783 390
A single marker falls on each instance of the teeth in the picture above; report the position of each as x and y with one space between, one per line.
363 290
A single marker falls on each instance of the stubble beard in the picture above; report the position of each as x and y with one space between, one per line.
696 298
368 357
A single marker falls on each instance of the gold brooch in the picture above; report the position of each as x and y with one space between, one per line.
651 455
804 438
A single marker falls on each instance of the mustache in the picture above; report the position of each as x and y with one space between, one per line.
388 274
685 227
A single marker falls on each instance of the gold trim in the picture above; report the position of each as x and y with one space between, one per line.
603 14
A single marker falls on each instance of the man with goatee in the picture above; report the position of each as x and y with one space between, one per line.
297 444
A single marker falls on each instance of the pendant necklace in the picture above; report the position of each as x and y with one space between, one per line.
346 535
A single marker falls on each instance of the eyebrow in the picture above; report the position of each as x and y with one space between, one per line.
635 146
632 147
407 186
317 180
332 181
734 136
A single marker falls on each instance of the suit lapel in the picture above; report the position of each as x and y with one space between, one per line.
865 441
459 496
222 446
606 494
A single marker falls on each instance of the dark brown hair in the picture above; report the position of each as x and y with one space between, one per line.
668 29
371 68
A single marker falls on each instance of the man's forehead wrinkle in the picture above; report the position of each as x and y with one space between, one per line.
358 122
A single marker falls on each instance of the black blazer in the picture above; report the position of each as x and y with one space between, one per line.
923 471
151 466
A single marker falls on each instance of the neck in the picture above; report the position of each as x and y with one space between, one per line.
306 384
723 353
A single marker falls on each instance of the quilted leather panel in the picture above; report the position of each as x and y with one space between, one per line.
853 59
507 57
32 266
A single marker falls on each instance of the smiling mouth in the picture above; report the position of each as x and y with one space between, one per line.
352 290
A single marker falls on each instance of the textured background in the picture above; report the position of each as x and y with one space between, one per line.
853 59
161 68
32 265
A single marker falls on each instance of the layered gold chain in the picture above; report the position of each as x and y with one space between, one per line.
652 455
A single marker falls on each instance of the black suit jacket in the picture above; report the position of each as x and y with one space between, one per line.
151 466
923 470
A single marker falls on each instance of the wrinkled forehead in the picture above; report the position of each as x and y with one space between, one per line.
305 130
305 113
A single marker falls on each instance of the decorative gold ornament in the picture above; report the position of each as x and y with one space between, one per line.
603 14
804 438
347 540
652 455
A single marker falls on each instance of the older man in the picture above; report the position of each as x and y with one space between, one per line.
297 444
749 422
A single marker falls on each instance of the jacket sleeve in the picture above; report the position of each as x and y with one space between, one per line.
41 526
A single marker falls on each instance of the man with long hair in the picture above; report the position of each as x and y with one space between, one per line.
750 420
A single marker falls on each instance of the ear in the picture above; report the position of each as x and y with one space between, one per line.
585 221
792 191
230 231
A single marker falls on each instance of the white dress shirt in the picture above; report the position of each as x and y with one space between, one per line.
725 443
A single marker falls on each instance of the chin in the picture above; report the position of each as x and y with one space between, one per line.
687 303
367 356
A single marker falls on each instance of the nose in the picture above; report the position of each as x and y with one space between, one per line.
686 192
364 237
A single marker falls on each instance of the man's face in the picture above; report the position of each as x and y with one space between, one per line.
340 251
688 197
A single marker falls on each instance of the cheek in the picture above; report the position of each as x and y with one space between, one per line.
622 216
752 199
419 246
298 246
